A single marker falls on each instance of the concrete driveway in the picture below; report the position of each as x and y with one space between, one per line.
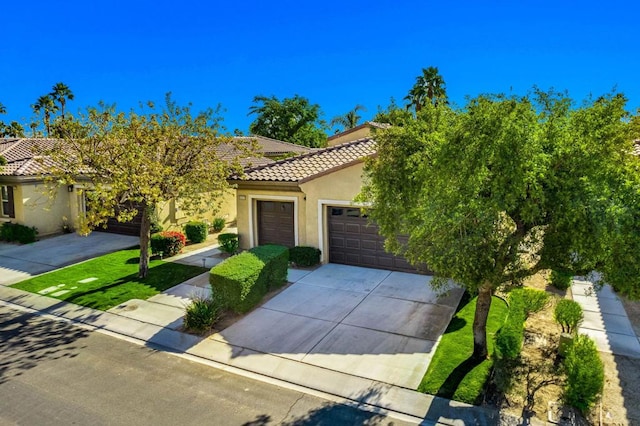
370 323
19 262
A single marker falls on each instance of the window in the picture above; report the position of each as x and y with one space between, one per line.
7 208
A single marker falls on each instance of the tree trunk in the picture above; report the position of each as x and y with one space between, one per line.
480 350
145 236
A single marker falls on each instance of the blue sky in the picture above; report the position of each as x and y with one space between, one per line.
336 53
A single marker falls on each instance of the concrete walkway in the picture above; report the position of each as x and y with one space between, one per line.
19 262
324 366
605 319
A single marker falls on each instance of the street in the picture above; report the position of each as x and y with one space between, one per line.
55 373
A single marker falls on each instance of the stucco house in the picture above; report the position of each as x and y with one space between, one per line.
307 200
25 199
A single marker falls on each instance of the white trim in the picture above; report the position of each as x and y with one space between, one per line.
322 220
253 220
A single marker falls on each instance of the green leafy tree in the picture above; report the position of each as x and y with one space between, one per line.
61 93
11 130
428 88
348 120
508 186
393 114
133 161
293 120
46 106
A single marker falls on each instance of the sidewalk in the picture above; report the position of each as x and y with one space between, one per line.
157 321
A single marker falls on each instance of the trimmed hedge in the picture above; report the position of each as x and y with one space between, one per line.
585 374
14 232
218 224
167 243
243 280
304 256
196 232
568 314
229 243
561 279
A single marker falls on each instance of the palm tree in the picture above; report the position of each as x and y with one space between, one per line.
3 110
46 106
348 120
61 93
429 87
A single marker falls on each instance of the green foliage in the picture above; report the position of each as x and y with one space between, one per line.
568 314
304 256
229 243
167 243
196 232
202 313
533 300
15 232
585 374
292 120
475 187
218 224
561 279
243 280
347 121
3 161
445 376
155 225
428 88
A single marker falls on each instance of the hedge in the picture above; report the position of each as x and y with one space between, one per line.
304 256
561 279
585 374
243 280
229 243
196 232
14 232
167 243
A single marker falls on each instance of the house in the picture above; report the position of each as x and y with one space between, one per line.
364 130
307 200
25 199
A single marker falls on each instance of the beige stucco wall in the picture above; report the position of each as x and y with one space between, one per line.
337 188
347 136
173 218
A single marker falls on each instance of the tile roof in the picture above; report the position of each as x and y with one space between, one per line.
269 147
636 147
307 166
21 157
370 124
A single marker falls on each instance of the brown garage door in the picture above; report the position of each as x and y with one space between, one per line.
128 228
275 223
353 241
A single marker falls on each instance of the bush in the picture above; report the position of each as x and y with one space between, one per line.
243 280
167 243
218 224
14 232
568 314
585 374
533 300
304 256
561 279
229 243
196 232
202 313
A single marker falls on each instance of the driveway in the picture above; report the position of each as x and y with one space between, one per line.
19 262
371 323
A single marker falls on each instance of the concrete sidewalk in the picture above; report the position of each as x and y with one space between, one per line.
166 311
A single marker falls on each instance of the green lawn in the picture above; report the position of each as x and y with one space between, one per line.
107 281
451 373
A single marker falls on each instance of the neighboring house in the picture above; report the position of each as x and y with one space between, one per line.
362 131
307 200
25 199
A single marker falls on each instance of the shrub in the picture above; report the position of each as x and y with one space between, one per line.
229 243
561 279
156 226
243 280
568 314
585 373
167 243
14 232
304 256
533 300
196 232
218 224
202 313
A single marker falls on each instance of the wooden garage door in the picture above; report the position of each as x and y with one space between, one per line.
275 223
353 241
128 228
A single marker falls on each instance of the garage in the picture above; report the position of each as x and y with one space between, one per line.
353 241
126 228
276 223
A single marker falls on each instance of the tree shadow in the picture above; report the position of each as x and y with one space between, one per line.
28 340
457 375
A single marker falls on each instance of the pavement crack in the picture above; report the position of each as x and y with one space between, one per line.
291 408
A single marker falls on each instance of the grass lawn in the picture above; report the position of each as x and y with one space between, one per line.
451 373
107 281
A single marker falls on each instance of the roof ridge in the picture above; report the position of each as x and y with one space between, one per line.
276 140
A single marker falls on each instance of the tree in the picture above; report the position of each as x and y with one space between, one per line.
136 160
292 120
45 106
429 88
509 186
348 120
61 93
11 130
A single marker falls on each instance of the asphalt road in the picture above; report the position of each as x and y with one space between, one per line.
53 373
